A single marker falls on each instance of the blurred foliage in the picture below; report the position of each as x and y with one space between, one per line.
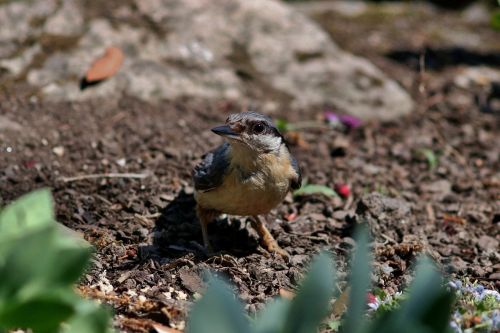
38 268
426 308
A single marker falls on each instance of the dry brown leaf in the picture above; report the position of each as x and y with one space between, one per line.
105 66
454 219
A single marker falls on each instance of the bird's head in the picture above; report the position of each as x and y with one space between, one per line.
252 131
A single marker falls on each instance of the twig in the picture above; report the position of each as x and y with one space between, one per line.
105 175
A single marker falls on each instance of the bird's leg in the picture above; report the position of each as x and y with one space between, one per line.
205 216
258 223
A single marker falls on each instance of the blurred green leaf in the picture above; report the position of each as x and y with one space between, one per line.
273 317
308 189
282 125
426 309
218 311
38 266
310 306
495 20
359 282
334 325
31 211
43 313
90 318
25 262
430 157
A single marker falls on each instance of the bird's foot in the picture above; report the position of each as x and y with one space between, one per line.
273 247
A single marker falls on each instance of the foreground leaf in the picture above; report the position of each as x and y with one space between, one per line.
31 211
218 312
311 304
272 318
359 283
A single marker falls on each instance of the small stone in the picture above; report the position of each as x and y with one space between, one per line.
487 243
59 151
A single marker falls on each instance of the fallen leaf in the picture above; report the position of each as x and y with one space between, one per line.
296 139
454 219
105 66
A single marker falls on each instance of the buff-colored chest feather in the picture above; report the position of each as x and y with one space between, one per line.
253 185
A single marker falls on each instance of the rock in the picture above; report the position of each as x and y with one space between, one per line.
231 49
487 243
386 216
190 279
457 265
438 189
383 207
67 20
19 23
9 125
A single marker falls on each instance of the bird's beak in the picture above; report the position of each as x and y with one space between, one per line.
226 131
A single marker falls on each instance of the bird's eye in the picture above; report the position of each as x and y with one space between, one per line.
258 128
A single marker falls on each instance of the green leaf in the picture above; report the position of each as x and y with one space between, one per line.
90 318
430 156
495 20
359 282
428 302
31 211
25 261
334 325
282 125
218 312
42 314
426 309
315 189
272 318
311 304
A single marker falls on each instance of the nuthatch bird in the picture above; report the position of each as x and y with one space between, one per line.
248 175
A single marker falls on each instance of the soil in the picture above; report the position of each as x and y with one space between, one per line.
149 261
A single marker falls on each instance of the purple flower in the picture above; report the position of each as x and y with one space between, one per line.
344 119
331 117
350 121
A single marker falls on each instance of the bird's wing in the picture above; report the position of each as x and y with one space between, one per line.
296 183
210 172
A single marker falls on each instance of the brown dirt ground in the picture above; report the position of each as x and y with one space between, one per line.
145 231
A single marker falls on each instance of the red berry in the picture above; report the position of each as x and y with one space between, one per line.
343 190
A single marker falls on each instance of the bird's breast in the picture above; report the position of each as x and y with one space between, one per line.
250 190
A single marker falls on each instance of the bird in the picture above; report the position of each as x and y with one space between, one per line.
248 175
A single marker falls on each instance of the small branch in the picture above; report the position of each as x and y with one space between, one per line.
105 175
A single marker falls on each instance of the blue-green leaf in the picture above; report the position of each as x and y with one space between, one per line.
311 304
273 317
359 282
218 311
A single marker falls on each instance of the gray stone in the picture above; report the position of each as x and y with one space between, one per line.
383 207
209 49
67 20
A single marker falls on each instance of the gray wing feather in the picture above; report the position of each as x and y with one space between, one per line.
209 174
